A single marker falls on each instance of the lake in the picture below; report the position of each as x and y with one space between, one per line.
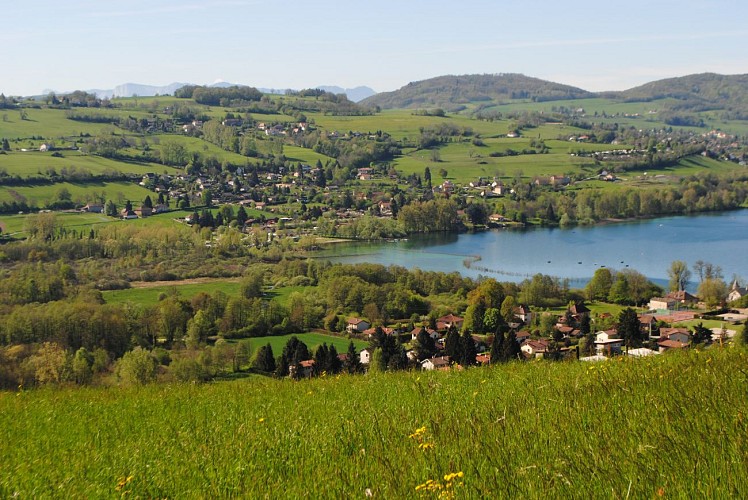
648 246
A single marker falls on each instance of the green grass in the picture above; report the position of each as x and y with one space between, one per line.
672 425
40 195
150 295
34 163
312 340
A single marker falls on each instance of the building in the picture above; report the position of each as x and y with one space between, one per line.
736 292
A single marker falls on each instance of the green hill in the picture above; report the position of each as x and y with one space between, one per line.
450 92
674 425
701 92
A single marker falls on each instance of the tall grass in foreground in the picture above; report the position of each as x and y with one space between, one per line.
674 425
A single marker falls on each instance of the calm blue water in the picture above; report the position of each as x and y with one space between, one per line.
513 255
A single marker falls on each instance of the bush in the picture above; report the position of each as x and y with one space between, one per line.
137 367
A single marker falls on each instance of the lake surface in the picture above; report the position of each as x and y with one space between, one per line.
647 246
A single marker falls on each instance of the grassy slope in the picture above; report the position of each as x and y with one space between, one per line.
312 341
674 425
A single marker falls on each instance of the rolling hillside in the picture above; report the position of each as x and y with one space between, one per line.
451 91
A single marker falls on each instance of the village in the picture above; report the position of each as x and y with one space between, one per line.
573 336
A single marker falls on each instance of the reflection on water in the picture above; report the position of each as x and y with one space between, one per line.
512 255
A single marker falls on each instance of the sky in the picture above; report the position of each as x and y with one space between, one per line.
383 44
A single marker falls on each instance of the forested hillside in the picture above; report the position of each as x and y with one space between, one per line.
702 92
450 92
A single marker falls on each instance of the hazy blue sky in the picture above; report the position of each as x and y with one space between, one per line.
87 44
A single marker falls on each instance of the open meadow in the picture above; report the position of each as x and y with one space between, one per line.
670 426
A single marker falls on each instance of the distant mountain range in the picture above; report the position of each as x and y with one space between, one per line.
691 93
136 89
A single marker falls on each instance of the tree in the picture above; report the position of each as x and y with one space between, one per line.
679 275
713 291
468 349
584 324
111 209
83 366
147 202
701 334
497 348
424 345
241 216
352 361
452 344
629 328
493 320
51 364
741 337
137 367
511 347
264 360
599 286
507 309
619 292
427 177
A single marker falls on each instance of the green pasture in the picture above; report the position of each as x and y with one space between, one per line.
304 155
530 430
79 221
40 195
312 340
50 124
150 295
34 163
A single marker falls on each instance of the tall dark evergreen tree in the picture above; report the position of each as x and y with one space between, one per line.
334 365
497 347
629 328
424 346
452 344
241 216
353 361
468 349
511 347
264 361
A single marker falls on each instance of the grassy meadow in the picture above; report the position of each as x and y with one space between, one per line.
312 340
670 426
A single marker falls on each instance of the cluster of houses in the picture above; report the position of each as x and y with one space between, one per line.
607 343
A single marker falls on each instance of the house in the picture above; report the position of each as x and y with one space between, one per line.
365 355
128 214
94 208
607 342
523 313
144 211
682 297
483 359
437 363
432 333
661 304
676 334
46 147
451 320
369 332
357 325
307 368
647 324
496 219
666 345
736 292
522 336
535 348
559 180
577 309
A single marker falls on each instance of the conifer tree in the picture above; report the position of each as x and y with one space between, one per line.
468 349
352 361
452 344
497 347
